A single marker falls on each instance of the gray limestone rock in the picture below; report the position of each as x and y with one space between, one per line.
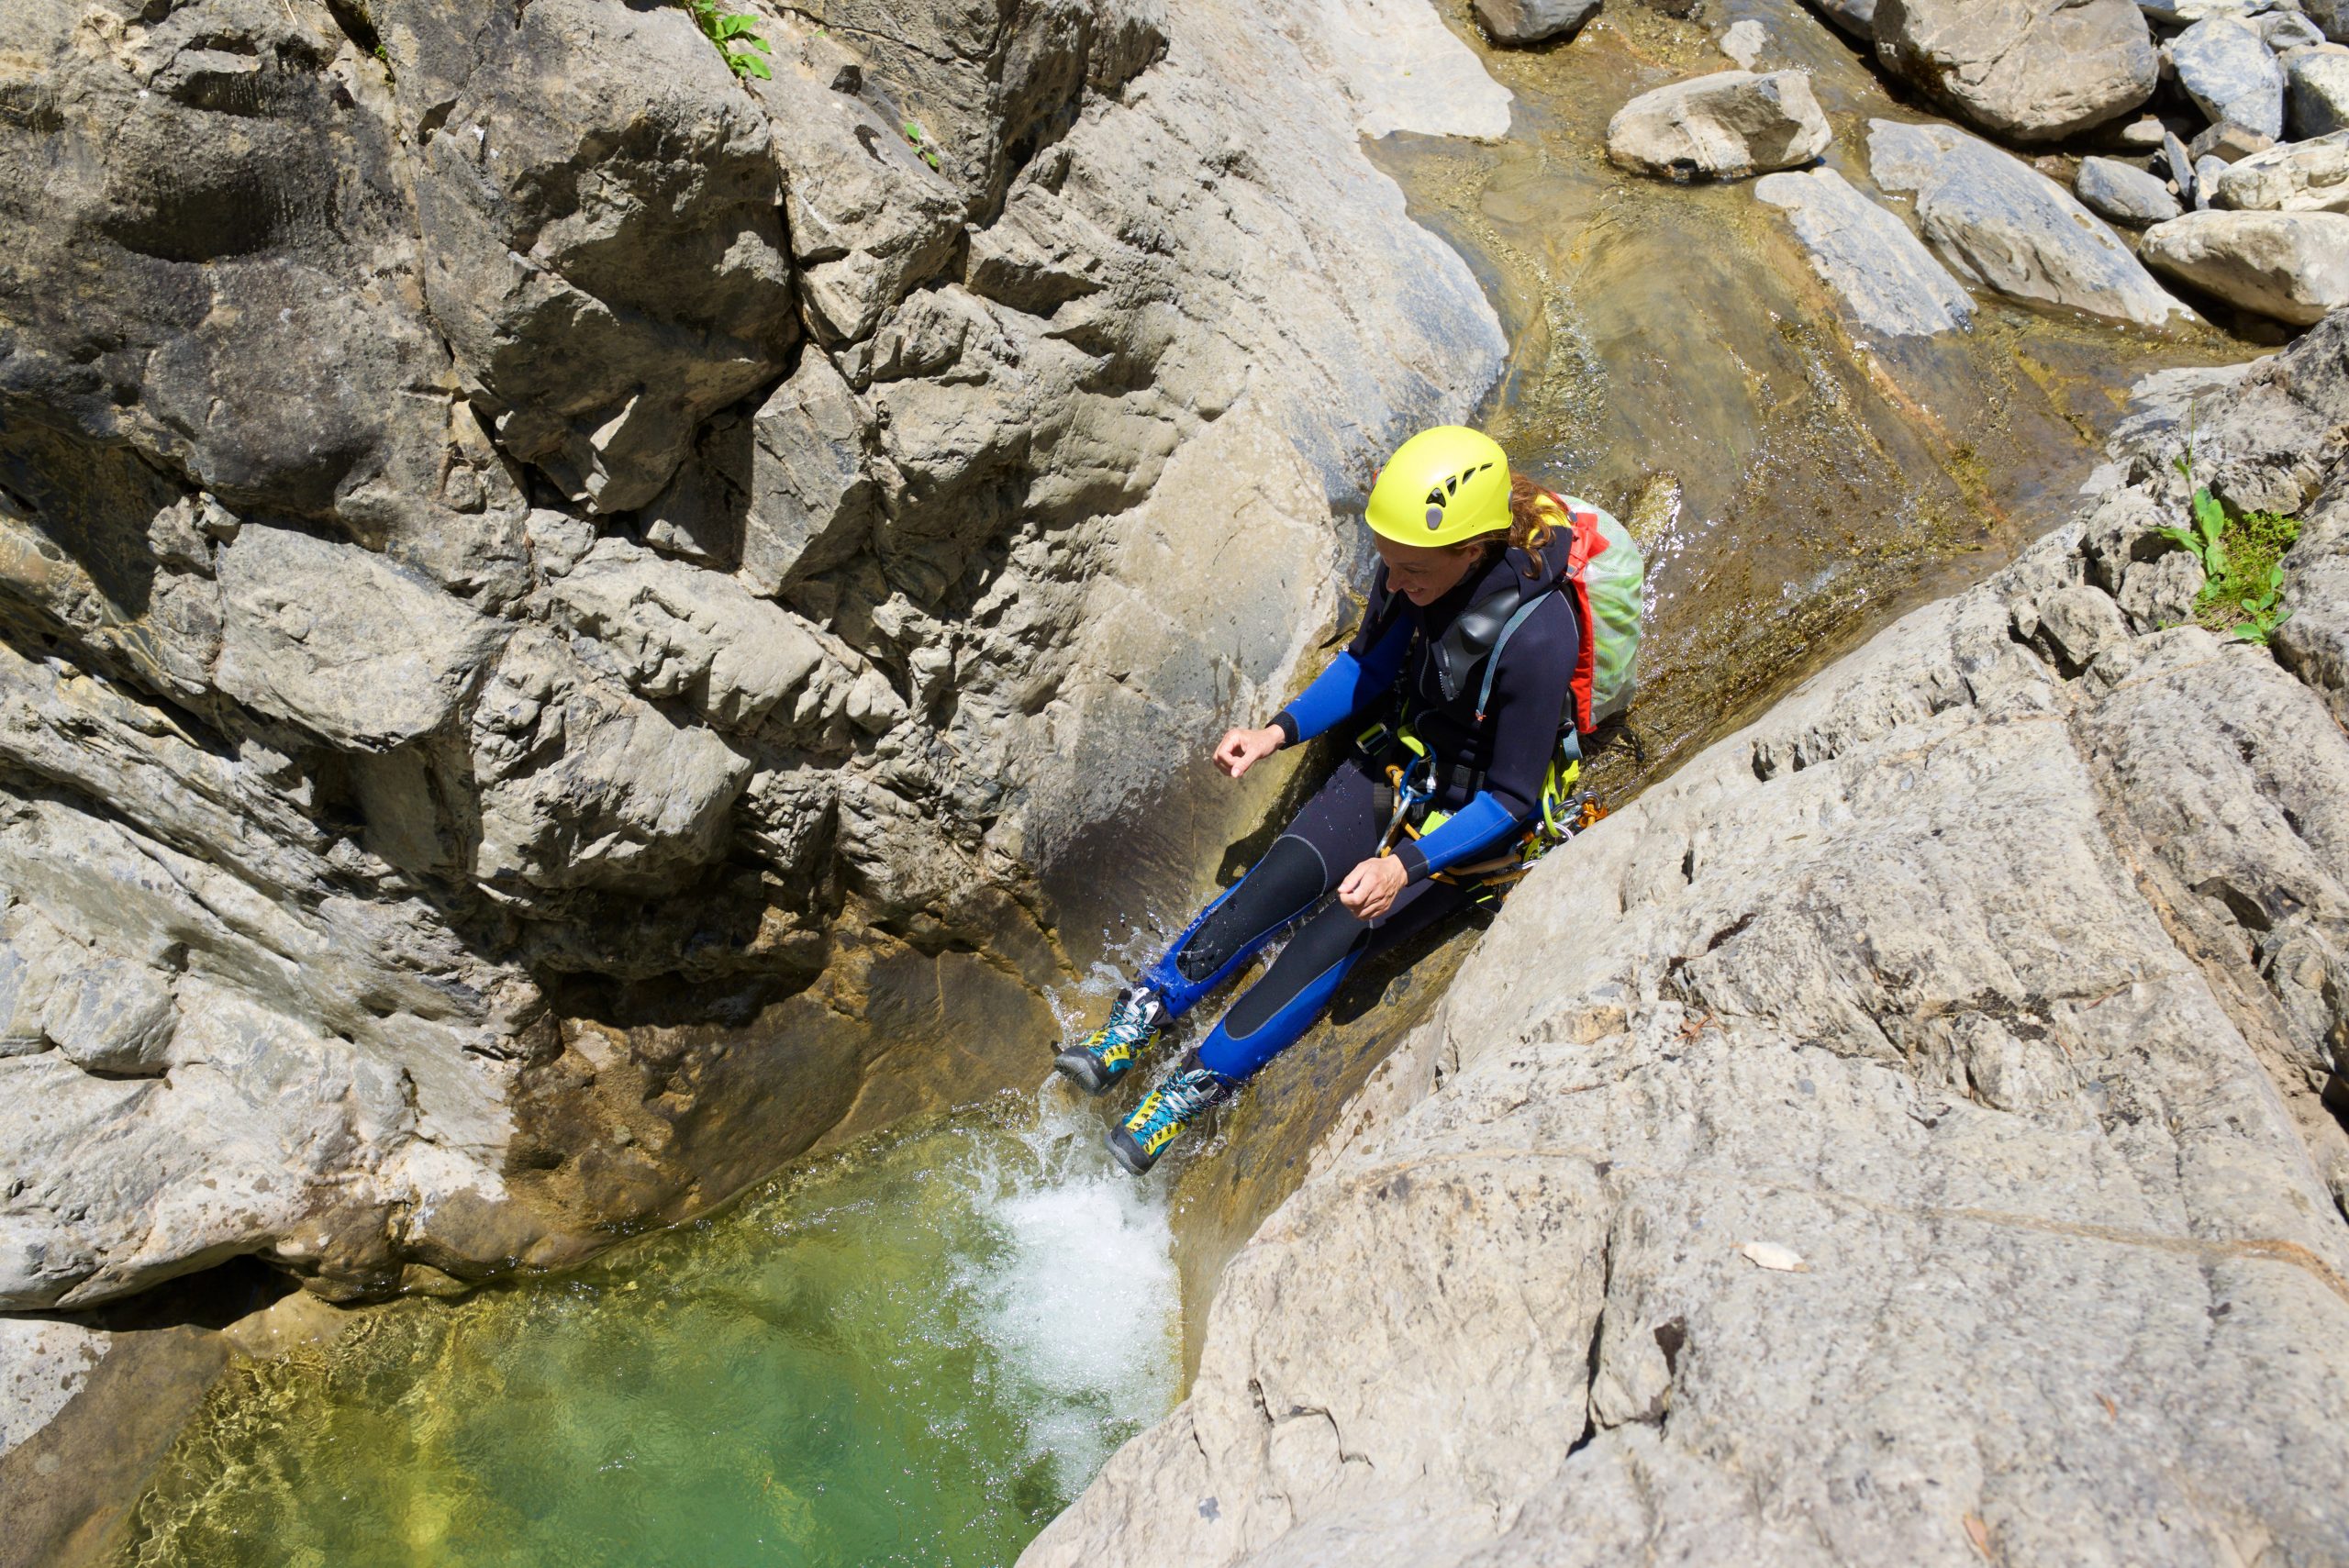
112 1017
2283 30
1884 276
2330 15
602 291
1533 21
2181 165
2300 176
2123 193
2206 170
1923 1118
1745 42
1856 17
2030 70
2002 224
2230 73
2317 90
2225 142
1725 126
2293 266
339 641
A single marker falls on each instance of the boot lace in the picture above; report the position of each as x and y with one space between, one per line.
1180 1100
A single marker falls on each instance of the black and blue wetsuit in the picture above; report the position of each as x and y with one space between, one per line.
1488 776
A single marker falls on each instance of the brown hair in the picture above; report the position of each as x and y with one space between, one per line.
1531 512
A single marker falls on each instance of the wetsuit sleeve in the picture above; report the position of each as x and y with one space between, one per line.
1355 679
1530 693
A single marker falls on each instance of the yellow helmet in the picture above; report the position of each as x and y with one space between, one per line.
1442 486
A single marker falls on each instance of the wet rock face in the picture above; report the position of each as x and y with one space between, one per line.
1914 1101
2031 69
1885 277
493 505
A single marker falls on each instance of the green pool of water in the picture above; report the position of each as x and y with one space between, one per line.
913 1353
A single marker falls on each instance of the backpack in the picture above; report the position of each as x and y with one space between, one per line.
1605 581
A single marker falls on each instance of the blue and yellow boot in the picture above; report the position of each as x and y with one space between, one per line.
1109 1052
1165 1112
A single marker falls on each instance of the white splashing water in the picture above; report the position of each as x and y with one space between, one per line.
1081 1299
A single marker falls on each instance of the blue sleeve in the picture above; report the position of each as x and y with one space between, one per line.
1483 824
1352 681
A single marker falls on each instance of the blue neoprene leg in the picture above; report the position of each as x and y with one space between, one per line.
1238 1056
1283 885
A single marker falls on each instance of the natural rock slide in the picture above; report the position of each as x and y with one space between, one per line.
1901 1136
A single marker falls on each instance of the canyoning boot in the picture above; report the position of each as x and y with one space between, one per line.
1109 1052
1165 1112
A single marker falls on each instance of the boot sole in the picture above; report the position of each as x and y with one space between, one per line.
1080 1066
1127 1152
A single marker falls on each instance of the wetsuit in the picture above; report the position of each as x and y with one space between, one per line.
1488 776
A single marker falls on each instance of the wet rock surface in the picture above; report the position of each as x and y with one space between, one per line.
526 552
1891 283
1915 1101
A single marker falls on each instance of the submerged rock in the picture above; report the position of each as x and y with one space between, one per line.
2002 224
2293 266
1900 1083
2031 69
2123 193
1534 21
2301 177
2230 75
1725 126
1884 276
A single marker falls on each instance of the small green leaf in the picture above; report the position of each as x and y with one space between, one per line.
751 65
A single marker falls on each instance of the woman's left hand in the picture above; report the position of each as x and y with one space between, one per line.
1371 888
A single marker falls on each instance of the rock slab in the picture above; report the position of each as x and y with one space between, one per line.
2123 193
2300 176
2230 73
1884 276
2002 224
1725 126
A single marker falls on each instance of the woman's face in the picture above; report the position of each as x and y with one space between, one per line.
1422 574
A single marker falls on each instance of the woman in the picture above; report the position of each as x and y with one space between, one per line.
1471 557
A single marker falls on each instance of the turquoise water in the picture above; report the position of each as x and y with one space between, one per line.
914 1353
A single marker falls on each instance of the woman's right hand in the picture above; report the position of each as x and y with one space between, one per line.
1241 749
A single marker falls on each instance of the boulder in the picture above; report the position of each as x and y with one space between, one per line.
1724 125
2330 15
2301 177
1745 42
341 643
2002 224
2227 141
1856 17
2123 193
2181 165
1884 276
2029 69
2282 30
2316 90
1533 21
2230 73
2206 170
2293 266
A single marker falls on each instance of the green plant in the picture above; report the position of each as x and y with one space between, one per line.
920 143
733 35
2242 561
